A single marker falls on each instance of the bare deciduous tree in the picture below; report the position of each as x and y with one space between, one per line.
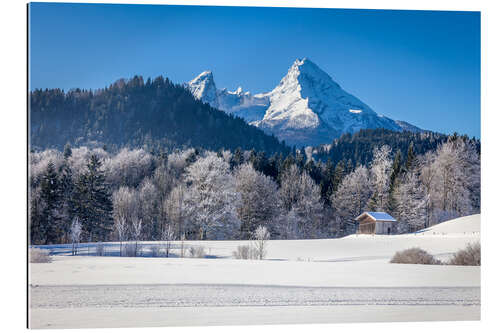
121 229
76 231
175 210
167 237
182 249
149 199
137 230
261 236
125 209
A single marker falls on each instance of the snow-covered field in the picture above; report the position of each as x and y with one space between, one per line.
328 280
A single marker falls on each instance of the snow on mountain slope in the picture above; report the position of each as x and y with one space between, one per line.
203 88
408 127
241 104
306 108
309 108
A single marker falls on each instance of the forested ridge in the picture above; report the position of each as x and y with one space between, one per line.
156 115
358 147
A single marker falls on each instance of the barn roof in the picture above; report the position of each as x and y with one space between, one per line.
378 216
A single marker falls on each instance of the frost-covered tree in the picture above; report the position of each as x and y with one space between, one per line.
178 161
164 181
149 203
451 179
125 210
261 236
76 231
450 184
167 236
129 167
92 202
67 187
287 225
176 210
353 194
125 204
36 208
51 224
289 190
212 198
426 176
380 172
227 155
309 208
300 194
79 159
121 228
411 202
473 170
136 232
39 162
259 199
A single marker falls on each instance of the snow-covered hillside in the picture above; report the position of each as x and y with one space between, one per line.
467 225
301 281
306 108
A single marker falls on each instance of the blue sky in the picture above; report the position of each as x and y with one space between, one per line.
419 66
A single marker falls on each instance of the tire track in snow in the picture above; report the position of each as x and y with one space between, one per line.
182 295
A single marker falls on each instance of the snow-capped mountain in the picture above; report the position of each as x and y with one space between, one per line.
203 88
242 104
307 107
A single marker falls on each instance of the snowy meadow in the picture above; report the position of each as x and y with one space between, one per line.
301 281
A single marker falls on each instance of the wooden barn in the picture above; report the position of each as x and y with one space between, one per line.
379 223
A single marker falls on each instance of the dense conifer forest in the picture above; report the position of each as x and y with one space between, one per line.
358 147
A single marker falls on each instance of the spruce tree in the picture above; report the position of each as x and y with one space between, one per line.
92 202
50 225
67 151
35 218
326 184
410 158
395 173
237 158
349 167
285 166
396 167
67 188
338 175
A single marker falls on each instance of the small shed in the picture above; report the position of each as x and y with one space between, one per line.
379 223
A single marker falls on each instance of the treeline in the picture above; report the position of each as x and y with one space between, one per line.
156 115
358 147
194 194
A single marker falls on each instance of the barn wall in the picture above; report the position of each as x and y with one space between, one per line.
382 228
